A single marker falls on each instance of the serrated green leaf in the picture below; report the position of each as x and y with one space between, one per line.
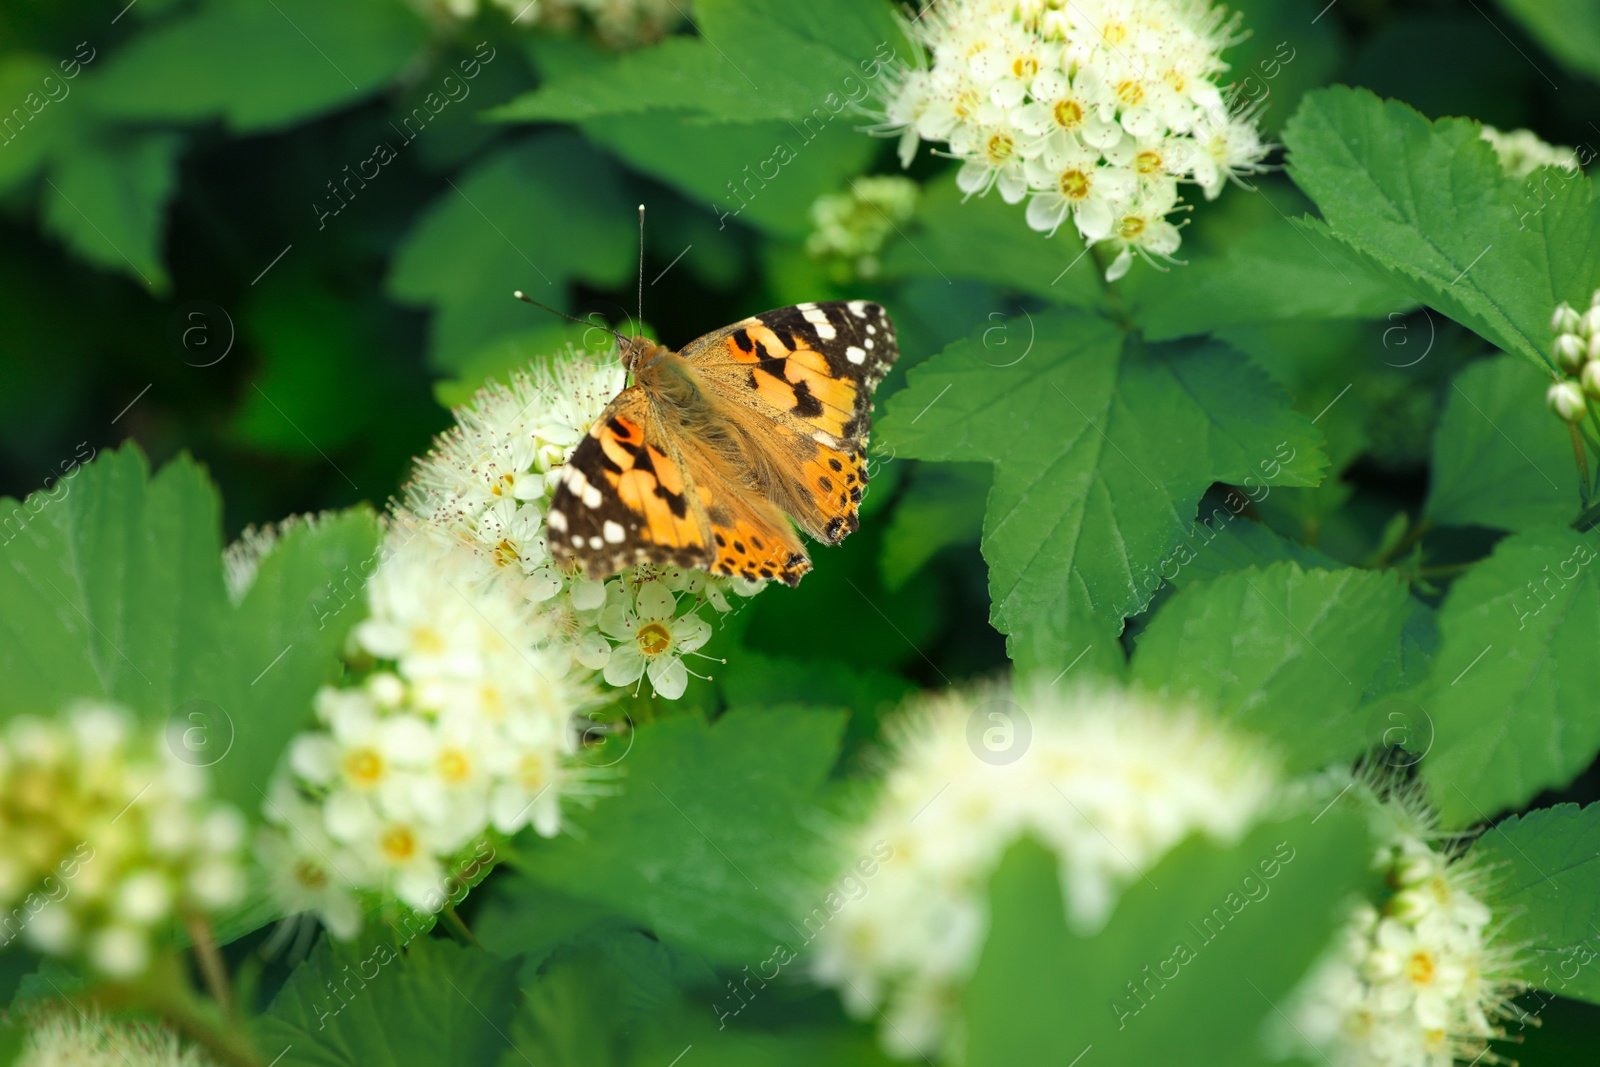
1569 29
113 589
1223 543
1427 204
1512 689
32 126
229 61
1500 459
1545 881
948 226
107 197
1285 652
1066 640
1267 273
706 843
375 1004
532 216
1193 962
1103 446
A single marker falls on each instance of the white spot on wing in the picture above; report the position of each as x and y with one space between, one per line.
612 531
819 321
558 521
591 497
595 542
858 308
855 355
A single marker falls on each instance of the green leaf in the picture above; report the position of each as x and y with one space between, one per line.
532 216
1569 29
32 125
765 174
1222 543
1269 271
230 60
111 587
1427 204
1500 459
752 61
1103 446
107 197
1513 685
949 226
1067 639
1546 883
1285 652
375 1004
705 844
1195 959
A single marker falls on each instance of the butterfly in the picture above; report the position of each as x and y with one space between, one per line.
703 461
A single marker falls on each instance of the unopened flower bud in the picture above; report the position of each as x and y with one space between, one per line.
1565 319
1566 400
1590 379
1590 325
1571 352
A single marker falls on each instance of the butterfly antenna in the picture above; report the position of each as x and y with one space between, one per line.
526 299
641 266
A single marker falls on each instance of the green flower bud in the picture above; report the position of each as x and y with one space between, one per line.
1590 379
1571 352
1565 319
1566 400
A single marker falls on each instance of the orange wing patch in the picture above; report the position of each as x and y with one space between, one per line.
835 481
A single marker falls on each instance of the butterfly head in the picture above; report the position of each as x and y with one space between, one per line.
639 352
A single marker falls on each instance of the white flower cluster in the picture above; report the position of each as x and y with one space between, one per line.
488 483
848 229
1108 780
89 1039
478 654
1577 357
1092 110
1521 152
1423 981
619 24
108 838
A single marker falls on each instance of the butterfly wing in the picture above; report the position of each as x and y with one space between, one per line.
799 382
625 496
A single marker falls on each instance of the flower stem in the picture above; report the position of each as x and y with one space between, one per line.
457 927
1581 454
165 993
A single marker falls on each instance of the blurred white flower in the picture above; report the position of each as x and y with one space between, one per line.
108 837
89 1039
1108 780
1063 103
1521 152
848 230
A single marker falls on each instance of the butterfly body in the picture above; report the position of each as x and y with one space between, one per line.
707 457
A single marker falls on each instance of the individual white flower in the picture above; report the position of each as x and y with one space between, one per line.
1109 781
1074 96
652 640
1141 226
298 856
1424 982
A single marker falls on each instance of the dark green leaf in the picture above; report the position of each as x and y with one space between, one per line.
107 199
1102 445
1569 29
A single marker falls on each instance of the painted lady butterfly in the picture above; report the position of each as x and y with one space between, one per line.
698 461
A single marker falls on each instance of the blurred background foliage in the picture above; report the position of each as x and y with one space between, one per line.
282 235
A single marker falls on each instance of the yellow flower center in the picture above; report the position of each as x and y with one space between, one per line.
1174 79
1420 968
654 639
363 766
398 844
1147 162
967 102
454 767
1130 92
531 772
1025 67
1114 33
1130 227
427 640
501 485
1068 114
1074 185
1000 149
505 553
310 875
